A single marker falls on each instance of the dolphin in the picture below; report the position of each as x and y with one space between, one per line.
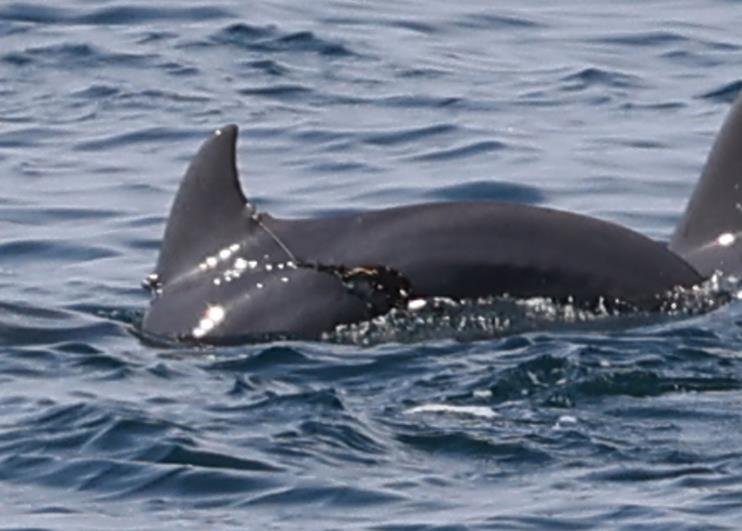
226 270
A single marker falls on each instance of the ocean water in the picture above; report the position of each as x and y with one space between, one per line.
604 108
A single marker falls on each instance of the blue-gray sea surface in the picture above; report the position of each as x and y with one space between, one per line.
606 108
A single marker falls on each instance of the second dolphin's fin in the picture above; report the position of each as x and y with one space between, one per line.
709 236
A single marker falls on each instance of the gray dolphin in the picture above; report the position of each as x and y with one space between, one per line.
226 270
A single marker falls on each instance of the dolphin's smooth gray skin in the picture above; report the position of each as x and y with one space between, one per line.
227 271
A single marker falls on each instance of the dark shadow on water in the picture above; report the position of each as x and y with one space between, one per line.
487 191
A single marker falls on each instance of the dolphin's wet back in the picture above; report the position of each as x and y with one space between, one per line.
226 270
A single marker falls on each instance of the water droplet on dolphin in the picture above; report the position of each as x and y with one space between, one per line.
726 239
416 304
215 313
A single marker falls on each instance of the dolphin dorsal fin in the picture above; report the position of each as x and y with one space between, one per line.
709 235
209 212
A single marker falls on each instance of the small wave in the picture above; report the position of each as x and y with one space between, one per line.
419 101
652 474
149 97
491 21
297 92
315 135
22 12
179 454
132 479
55 418
634 143
13 334
306 41
642 39
270 358
74 55
123 433
142 14
469 150
399 137
16 59
12 28
323 402
420 73
97 91
415 26
174 68
18 12
341 167
282 92
51 251
267 66
658 106
114 368
725 94
270 39
346 497
242 34
691 58
144 135
470 445
347 434
43 216
164 95
30 136
591 77
156 36
643 383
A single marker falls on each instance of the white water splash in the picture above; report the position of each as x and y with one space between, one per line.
471 411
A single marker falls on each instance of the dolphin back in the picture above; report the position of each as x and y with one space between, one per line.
709 235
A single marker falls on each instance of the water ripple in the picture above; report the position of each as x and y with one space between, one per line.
77 55
177 454
137 137
591 77
490 21
469 150
23 12
398 137
642 39
51 251
724 94
270 39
